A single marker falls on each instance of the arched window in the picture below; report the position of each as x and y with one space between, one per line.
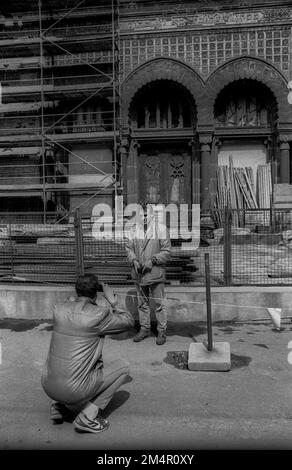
245 103
162 105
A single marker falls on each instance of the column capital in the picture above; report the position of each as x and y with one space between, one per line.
285 138
135 144
205 139
123 150
125 141
217 142
268 141
284 146
191 142
126 130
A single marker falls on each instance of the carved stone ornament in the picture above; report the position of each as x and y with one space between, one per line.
207 19
284 139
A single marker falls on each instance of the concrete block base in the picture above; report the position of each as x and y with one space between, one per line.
218 359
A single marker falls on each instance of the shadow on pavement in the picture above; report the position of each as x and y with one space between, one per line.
179 359
119 398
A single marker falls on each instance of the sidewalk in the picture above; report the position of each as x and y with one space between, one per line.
163 407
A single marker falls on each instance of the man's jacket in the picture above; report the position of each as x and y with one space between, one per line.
142 247
74 367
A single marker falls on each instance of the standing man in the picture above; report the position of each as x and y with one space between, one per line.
148 249
74 375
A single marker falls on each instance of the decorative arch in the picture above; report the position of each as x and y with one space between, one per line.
248 68
160 69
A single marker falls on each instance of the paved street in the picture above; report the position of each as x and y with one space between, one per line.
163 407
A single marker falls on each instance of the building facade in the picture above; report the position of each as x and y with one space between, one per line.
143 99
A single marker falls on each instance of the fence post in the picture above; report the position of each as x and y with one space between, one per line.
79 244
272 214
208 302
227 246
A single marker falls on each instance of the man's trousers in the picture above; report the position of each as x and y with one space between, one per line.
156 293
114 375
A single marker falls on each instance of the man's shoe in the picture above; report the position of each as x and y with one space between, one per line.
161 339
94 426
141 335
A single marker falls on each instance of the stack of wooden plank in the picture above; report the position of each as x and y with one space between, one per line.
264 186
236 189
57 263
223 188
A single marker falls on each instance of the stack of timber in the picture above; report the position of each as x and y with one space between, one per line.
236 189
56 263
264 186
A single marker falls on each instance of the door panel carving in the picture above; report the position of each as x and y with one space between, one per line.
165 178
176 180
150 177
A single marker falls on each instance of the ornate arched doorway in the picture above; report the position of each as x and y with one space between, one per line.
163 123
247 99
160 100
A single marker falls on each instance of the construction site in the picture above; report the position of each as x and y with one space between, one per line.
112 103
160 103
60 125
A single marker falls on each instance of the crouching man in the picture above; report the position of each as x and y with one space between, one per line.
74 375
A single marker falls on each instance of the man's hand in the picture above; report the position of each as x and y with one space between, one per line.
137 266
154 259
109 294
147 266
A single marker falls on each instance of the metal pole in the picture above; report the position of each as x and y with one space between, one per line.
114 91
79 243
208 302
227 246
42 109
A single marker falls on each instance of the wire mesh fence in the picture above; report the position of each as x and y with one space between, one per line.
256 246
34 251
256 252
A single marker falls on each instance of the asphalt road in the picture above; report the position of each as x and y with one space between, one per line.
163 406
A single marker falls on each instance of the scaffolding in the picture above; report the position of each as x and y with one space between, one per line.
60 44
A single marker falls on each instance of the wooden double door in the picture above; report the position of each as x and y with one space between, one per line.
165 176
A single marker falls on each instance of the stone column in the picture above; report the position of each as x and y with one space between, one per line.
205 143
272 157
123 153
133 173
196 174
216 144
268 143
284 161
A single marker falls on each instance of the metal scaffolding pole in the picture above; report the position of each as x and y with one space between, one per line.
42 111
48 132
114 92
116 86
114 83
